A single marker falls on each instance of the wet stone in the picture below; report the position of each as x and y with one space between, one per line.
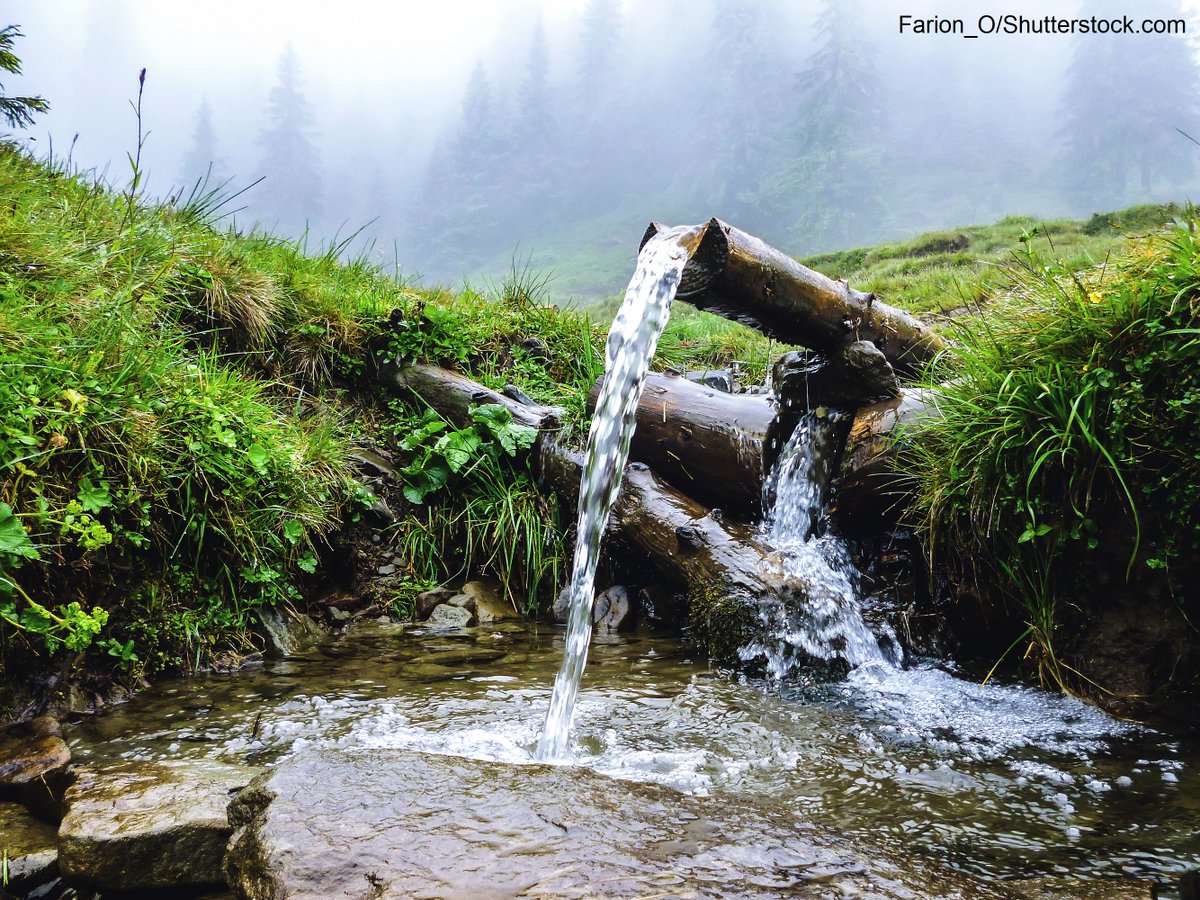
465 601
427 600
458 657
610 612
393 823
148 826
490 605
289 633
30 848
446 616
32 751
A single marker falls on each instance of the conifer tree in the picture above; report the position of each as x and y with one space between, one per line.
18 112
1126 100
201 162
831 190
292 190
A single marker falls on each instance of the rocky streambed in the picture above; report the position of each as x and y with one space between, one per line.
396 761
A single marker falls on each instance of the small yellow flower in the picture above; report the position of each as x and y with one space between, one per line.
1094 297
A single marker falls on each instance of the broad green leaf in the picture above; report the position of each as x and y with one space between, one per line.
13 538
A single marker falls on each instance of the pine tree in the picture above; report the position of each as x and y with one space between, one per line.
537 173
1123 105
739 131
201 163
292 190
830 191
18 112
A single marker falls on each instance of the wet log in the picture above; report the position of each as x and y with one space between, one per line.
737 276
710 444
452 395
869 492
724 569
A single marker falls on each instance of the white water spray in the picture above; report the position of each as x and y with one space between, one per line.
828 621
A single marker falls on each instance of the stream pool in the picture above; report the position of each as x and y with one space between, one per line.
1000 782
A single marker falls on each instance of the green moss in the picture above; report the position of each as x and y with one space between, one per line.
720 622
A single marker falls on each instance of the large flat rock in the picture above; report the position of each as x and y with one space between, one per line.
392 824
148 826
28 845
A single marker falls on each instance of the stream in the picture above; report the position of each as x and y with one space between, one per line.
999 782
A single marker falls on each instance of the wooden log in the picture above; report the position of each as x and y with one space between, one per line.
869 492
723 568
710 444
737 276
452 395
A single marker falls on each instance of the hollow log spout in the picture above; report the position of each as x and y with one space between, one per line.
739 277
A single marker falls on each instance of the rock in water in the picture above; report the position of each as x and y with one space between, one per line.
289 633
399 824
446 616
148 826
490 605
32 752
29 846
610 612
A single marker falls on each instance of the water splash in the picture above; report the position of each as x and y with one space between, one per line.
631 342
825 620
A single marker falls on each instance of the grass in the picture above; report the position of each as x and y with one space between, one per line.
951 271
1063 469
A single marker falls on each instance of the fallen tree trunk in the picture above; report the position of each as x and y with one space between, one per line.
737 276
453 395
710 444
869 492
726 572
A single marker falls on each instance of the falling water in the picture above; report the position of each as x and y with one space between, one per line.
825 620
631 342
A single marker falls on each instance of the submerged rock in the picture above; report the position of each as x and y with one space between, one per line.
489 603
611 610
392 824
29 846
31 752
148 826
446 616
288 632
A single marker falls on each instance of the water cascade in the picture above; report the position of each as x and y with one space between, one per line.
830 622
631 343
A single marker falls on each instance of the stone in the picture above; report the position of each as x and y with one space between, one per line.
460 657
389 569
610 611
30 848
466 601
854 374
446 616
562 605
30 752
148 826
340 824
427 600
490 605
717 379
288 632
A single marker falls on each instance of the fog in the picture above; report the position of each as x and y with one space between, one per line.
449 139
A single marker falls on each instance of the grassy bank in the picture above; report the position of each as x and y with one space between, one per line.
180 402
1062 476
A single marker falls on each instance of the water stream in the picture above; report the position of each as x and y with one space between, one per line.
999 782
631 341
828 622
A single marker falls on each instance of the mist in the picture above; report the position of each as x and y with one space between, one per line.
455 140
